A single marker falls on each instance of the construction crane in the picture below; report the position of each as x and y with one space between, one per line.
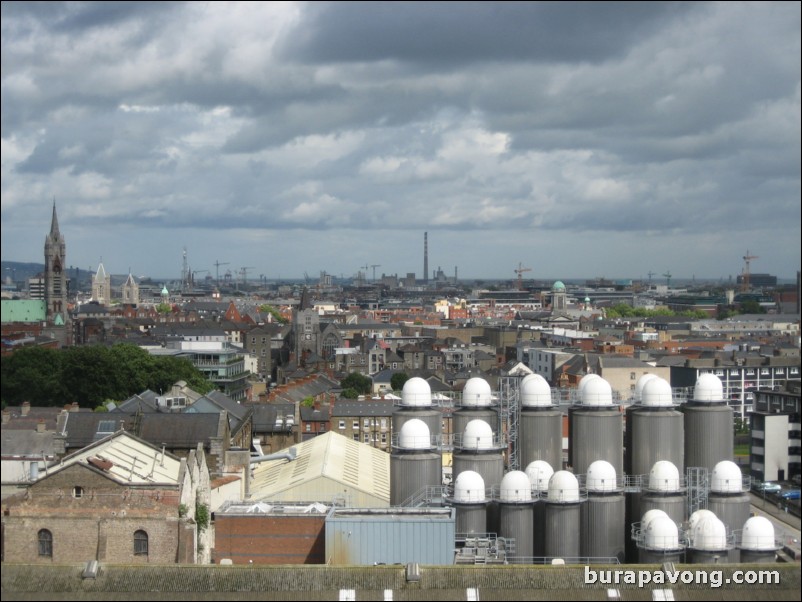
650 274
244 273
667 276
745 280
374 266
520 271
217 265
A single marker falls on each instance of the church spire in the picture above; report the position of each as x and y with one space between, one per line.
54 231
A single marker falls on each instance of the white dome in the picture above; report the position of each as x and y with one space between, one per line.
583 382
709 534
563 487
708 388
527 378
469 487
640 384
600 477
664 476
477 435
696 517
662 534
539 473
416 392
516 487
476 393
726 478
657 392
414 435
650 516
758 534
536 392
597 392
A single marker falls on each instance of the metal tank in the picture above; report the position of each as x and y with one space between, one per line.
710 542
665 491
479 449
658 540
708 425
759 543
476 403
539 473
416 402
516 518
470 503
563 516
595 429
602 527
729 498
655 429
414 462
540 424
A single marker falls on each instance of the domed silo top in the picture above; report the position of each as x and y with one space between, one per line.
601 477
477 435
758 534
563 487
469 487
597 392
657 392
709 534
414 435
708 388
536 392
650 516
516 487
416 392
662 534
583 382
726 478
558 286
696 517
638 396
664 476
539 473
476 393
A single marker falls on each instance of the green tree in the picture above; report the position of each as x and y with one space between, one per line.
398 380
359 382
349 394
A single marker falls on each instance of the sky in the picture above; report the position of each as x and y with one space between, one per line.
579 140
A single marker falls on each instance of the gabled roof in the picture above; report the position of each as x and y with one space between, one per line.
374 407
265 414
144 402
126 459
312 414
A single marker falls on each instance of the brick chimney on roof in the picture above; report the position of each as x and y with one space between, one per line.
41 427
74 406
26 408
6 416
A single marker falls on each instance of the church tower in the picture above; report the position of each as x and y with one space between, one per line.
55 274
101 286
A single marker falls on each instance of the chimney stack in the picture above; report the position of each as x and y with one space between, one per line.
26 408
425 257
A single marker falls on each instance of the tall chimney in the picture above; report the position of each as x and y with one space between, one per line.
425 257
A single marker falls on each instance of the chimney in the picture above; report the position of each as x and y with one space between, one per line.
6 416
26 408
40 426
74 406
317 405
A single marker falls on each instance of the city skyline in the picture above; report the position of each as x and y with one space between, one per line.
578 140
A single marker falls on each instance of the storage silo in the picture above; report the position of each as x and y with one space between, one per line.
539 473
729 496
563 517
602 529
758 541
470 503
416 402
708 425
655 429
709 543
540 424
637 394
480 450
415 463
476 403
516 518
658 540
665 491
596 429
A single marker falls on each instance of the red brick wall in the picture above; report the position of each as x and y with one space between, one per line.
270 539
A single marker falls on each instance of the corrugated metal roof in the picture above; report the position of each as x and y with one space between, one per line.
333 456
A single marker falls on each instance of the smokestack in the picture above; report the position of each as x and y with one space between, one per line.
425 257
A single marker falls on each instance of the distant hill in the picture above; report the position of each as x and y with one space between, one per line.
20 272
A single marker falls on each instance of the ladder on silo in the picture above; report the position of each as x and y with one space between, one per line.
698 488
509 402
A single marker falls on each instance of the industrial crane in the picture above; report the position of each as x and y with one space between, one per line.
667 276
217 265
520 271
374 266
745 280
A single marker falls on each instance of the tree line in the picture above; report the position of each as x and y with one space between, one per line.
91 375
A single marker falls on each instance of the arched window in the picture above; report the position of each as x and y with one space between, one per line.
45 539
140 543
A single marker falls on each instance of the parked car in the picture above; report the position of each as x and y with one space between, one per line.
793 494
769 487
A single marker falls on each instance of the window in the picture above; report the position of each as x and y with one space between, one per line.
77 492
308 428
355 425
45 538
631 376
342 425
140 543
